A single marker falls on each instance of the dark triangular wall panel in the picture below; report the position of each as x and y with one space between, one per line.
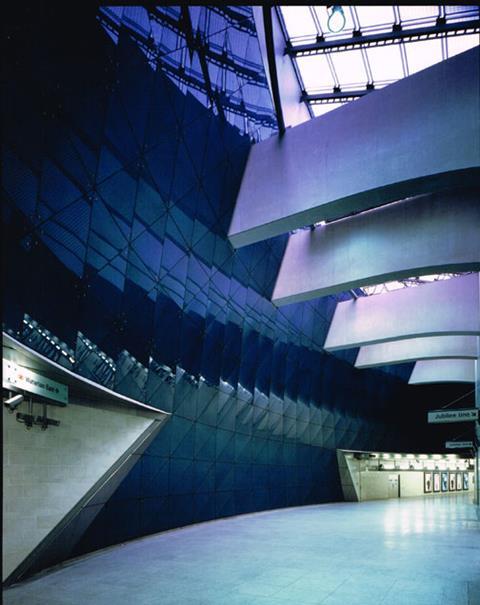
122 200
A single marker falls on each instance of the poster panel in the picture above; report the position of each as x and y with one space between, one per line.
444 481
427 482
436 482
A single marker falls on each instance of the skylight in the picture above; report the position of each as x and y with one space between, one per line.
409 282
377 46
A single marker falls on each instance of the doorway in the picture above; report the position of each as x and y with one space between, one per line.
393 486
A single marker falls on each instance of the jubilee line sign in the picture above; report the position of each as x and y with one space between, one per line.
458 445
18 377
466 415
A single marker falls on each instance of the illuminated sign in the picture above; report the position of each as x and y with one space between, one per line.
18 377
459 445
466 415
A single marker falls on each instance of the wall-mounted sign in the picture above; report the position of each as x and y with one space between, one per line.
17 377
458 445
466 415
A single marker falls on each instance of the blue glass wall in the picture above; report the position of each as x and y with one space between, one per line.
118 193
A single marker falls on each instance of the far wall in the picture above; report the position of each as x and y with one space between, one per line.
377 485
363 478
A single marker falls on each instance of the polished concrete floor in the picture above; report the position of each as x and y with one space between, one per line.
421 551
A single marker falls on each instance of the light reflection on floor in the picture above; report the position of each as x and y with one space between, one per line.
418 551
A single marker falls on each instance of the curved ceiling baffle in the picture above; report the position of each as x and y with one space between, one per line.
419 236
449 307
391 146
443 370
415 349
382 148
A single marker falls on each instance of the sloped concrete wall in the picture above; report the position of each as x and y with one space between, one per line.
45 473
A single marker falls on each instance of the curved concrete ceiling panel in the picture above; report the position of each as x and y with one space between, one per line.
443 370
436 233
386 146
414 349
441 308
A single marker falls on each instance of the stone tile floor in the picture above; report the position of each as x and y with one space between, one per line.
419 551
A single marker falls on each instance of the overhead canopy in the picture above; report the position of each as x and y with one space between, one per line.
414 349
443 370
419 236
440 308
386 146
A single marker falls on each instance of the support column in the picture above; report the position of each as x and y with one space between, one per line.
477 435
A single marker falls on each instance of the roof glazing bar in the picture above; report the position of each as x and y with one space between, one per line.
359 40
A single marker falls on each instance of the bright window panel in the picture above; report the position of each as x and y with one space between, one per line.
323 18
423 54
377 16
315 72
427 13
456 13
385 62
350 67
460 44
320 110
298 21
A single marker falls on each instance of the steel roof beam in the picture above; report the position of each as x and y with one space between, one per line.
332 97
280 69
195 45
220 59
272 66
235 18
187 77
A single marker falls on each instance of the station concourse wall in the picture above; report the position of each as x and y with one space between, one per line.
118 193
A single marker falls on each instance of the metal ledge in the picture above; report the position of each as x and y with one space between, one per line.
81 389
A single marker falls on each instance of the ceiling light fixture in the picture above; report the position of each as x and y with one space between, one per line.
336 19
